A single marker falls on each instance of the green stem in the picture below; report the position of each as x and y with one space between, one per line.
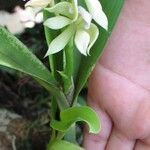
55 61
58 94
68 71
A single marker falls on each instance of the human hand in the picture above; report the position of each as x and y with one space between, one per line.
119 88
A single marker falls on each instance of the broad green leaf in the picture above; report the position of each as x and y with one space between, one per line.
72 115
57 22
14 54
63 145
112 10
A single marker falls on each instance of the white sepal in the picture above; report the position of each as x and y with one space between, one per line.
62 8
97 13
75 9
82 40
60 41
57 22
37 3
94 33
86 16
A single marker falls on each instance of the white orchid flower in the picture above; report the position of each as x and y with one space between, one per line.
85 33
38 3
77 22
97 13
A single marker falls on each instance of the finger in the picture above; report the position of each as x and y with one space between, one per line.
142 145
99 141
117 141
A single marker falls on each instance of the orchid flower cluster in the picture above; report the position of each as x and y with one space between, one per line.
74 21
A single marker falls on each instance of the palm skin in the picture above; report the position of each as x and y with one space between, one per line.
119 88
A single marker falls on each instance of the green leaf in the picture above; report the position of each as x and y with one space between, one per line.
14 54
71 115
63 145
112 10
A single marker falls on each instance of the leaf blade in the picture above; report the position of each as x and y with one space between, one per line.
14 54
75 114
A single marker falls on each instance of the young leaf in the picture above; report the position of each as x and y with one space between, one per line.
112 10
15 55
63 145
71 115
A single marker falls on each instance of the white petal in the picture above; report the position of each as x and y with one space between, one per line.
57 22
82 40
97 13
60 41
62 8
37 3
75 8
94 33
86 16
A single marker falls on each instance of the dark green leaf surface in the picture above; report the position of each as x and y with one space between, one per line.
14 54
72 115
112 9
64 145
